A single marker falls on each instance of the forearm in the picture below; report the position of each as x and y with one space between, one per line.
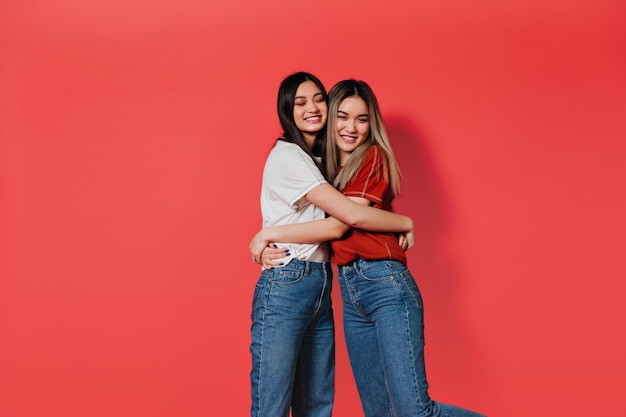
307 232
377 220
357 215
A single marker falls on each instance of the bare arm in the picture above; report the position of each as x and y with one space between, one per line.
359 216
306 232
331 228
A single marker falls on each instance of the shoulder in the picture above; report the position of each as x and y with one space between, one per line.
288 149
282 147
287 160
375 156
285 151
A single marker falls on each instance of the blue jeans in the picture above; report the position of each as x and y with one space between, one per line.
293 342
384 330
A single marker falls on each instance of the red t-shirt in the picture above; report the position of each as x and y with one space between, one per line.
360 244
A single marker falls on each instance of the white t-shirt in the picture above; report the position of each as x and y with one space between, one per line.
289 174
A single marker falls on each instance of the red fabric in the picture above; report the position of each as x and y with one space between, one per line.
370 184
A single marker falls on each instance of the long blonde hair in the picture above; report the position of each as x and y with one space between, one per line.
377 136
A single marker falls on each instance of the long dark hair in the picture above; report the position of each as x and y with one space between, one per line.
291 133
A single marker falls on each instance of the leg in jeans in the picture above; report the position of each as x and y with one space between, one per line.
287 301
315 372
390 299
363 351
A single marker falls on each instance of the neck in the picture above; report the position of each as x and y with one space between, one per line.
309 139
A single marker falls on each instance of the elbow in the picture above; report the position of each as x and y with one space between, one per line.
353 221
339 231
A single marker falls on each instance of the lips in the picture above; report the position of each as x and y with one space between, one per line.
349 138
313 119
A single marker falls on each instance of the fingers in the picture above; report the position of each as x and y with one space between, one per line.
410 237
271 256
274 253
403 241
267 253
269 264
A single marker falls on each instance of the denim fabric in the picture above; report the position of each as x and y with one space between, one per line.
293 342
384 331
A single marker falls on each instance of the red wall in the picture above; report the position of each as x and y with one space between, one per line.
132 138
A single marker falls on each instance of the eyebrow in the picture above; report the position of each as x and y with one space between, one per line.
360 115
314 95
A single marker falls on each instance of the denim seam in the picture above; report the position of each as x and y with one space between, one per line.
419 302
261 344
408 335
353 293
321 297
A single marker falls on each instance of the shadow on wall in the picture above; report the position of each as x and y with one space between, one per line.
453 363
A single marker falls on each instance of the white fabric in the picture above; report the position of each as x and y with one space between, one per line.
289 174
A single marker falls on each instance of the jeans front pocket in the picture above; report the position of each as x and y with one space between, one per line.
376 271
286 275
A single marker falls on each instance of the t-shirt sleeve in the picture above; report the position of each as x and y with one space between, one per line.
369 182
294 174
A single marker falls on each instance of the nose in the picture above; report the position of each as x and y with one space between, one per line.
351 126
313 107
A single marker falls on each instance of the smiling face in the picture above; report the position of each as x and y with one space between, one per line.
352 126
309 111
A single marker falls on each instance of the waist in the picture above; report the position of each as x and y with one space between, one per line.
366 245
321 254
307 266
361 263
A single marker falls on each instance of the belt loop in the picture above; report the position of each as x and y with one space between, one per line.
307 267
